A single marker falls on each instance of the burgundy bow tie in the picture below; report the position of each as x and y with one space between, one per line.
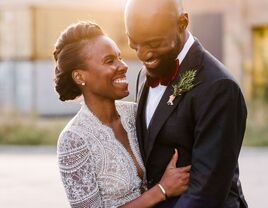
164 80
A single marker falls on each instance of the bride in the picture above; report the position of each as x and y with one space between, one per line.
98 153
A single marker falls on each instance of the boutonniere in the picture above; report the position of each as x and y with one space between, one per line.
185 84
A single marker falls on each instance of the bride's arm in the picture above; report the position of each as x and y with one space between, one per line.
173 183
77 170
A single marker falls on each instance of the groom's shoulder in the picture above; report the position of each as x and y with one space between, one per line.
214 70
141 76
141 79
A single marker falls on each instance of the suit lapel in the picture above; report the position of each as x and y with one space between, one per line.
140 127
192 61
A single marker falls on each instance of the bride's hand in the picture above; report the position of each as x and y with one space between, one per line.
175 180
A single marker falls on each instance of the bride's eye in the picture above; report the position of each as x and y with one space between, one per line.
109 60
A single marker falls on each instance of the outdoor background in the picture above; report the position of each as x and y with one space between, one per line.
31 116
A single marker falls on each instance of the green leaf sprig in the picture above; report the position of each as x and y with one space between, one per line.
185 84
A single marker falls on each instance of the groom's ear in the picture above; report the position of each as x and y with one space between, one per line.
183 21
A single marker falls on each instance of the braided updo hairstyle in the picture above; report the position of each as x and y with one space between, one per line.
68 56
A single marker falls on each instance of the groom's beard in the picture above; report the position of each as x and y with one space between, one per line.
165 66
167 63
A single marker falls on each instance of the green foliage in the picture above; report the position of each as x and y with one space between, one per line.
28 133
257 124
46 131
256 137
185 83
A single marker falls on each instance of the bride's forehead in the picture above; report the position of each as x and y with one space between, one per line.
101 47
102 43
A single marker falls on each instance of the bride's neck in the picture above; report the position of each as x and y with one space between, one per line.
104 110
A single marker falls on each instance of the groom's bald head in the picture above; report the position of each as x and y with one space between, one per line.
144 15
172 4
171 7
156 30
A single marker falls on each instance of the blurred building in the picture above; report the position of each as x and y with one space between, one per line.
236 32
28 31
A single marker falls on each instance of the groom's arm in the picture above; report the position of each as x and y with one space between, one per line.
220 125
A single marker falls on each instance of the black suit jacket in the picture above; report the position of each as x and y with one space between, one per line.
206 125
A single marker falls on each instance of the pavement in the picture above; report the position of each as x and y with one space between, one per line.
29 177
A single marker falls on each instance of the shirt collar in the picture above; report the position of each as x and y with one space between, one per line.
186 48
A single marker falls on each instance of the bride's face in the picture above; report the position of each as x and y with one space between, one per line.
104 71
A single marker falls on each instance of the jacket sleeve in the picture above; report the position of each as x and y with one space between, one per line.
220 116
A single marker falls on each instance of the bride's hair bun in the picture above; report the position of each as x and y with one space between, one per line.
68 56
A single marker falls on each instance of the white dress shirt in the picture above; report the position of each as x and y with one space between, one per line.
155 94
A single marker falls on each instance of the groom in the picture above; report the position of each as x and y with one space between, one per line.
205 120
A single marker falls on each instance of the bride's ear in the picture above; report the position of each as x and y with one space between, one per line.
79 77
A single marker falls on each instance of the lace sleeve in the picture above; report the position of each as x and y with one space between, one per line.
77 170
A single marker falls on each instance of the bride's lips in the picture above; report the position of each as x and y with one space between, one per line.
151 64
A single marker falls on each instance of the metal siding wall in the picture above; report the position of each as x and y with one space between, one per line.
15 33
208 28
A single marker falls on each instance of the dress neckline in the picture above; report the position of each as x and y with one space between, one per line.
125 126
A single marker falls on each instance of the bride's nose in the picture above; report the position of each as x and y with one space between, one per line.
122 66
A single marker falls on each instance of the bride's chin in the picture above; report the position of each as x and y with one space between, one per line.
123 95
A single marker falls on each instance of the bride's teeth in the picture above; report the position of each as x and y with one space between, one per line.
121 81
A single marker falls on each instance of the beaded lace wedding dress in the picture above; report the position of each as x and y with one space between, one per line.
96 170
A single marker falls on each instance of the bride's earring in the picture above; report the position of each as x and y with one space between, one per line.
83 84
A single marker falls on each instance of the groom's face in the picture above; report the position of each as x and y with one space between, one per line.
155 37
